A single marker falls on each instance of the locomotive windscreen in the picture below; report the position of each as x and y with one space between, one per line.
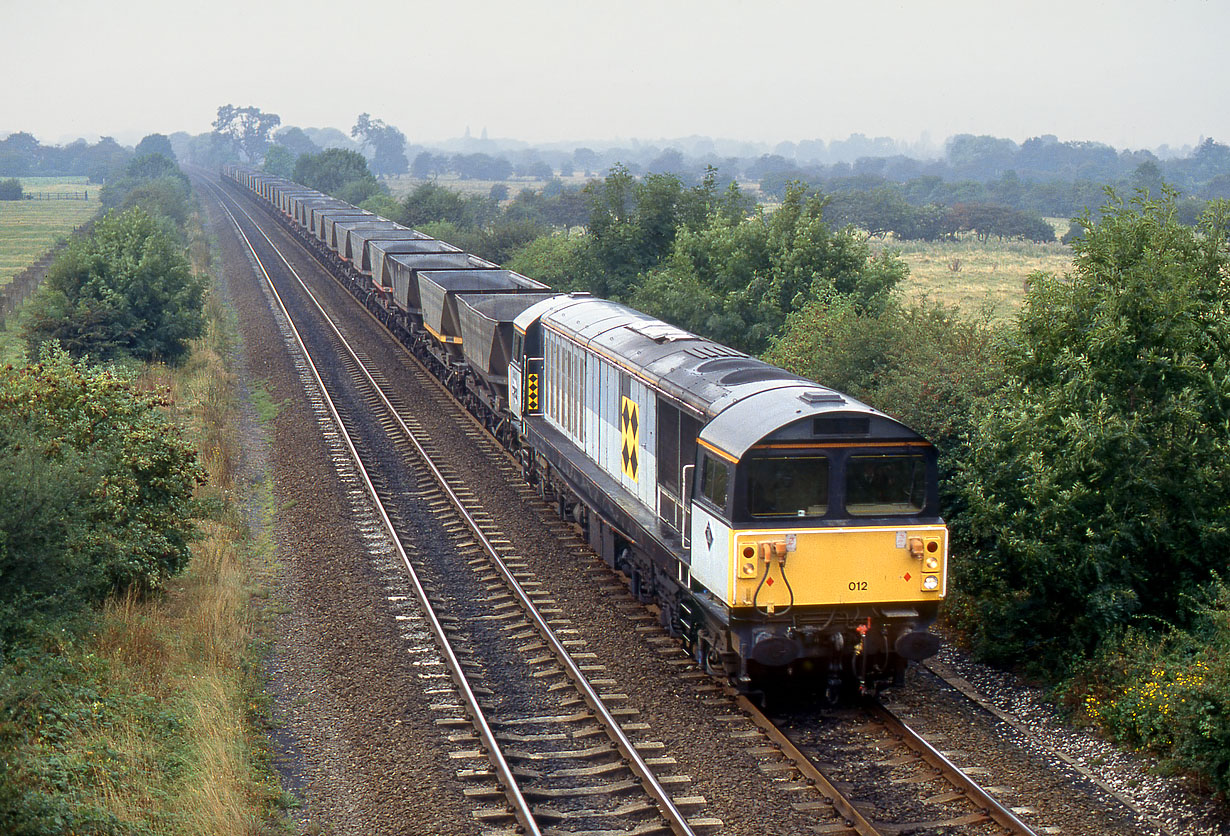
879 485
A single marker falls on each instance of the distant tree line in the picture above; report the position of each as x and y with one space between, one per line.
21 155
884 210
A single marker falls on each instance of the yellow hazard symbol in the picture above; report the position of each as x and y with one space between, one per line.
630 434
531 392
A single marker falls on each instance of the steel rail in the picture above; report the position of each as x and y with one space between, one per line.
854 819
521 808
675 819
982 799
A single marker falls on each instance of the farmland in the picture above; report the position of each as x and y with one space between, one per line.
28 228
974 274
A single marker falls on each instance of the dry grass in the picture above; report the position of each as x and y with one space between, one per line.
974 275
402 185
28 228
194 766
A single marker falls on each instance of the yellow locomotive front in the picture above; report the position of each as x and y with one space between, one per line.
820 542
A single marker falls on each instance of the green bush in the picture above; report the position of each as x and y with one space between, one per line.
1098 486
565 262
126 290
339 172
921 362
11 189
735 279
95 486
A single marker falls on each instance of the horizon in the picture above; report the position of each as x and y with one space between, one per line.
1131 74
130 139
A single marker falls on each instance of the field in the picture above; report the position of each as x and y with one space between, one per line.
973 275
968 273
28 228
402 185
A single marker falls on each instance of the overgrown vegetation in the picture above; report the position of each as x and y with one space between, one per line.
1167 691
125 679
95 489
1094 492
125 290
1096 486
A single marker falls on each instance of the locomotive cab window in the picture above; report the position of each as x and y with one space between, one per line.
715 481
883 485
518 348
788 487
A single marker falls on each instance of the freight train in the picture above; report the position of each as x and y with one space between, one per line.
786 530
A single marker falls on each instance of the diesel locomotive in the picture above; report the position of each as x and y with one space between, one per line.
784 529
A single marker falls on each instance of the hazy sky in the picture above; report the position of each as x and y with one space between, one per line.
1131 73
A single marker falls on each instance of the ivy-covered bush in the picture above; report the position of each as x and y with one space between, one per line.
95 486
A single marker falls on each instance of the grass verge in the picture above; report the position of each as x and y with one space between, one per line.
147 720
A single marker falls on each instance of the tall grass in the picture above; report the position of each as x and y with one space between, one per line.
974 274
195 645
150 721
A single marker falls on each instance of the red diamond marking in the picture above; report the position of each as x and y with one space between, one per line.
906 576
769 582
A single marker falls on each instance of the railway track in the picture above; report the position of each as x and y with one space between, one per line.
528 712
533 728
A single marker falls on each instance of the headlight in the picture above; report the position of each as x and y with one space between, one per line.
931 563
931 582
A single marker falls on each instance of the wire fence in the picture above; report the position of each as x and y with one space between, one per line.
85 195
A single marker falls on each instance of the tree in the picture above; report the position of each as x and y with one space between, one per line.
127 289
155 144
153 182
481 167
279 161
430 203
1098 489
586 159
249 128
1148 176
736 279
387 144
535 170
564 262
332 169
429 165
20 154
11 189
296 142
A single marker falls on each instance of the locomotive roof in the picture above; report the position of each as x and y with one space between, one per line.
743 400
